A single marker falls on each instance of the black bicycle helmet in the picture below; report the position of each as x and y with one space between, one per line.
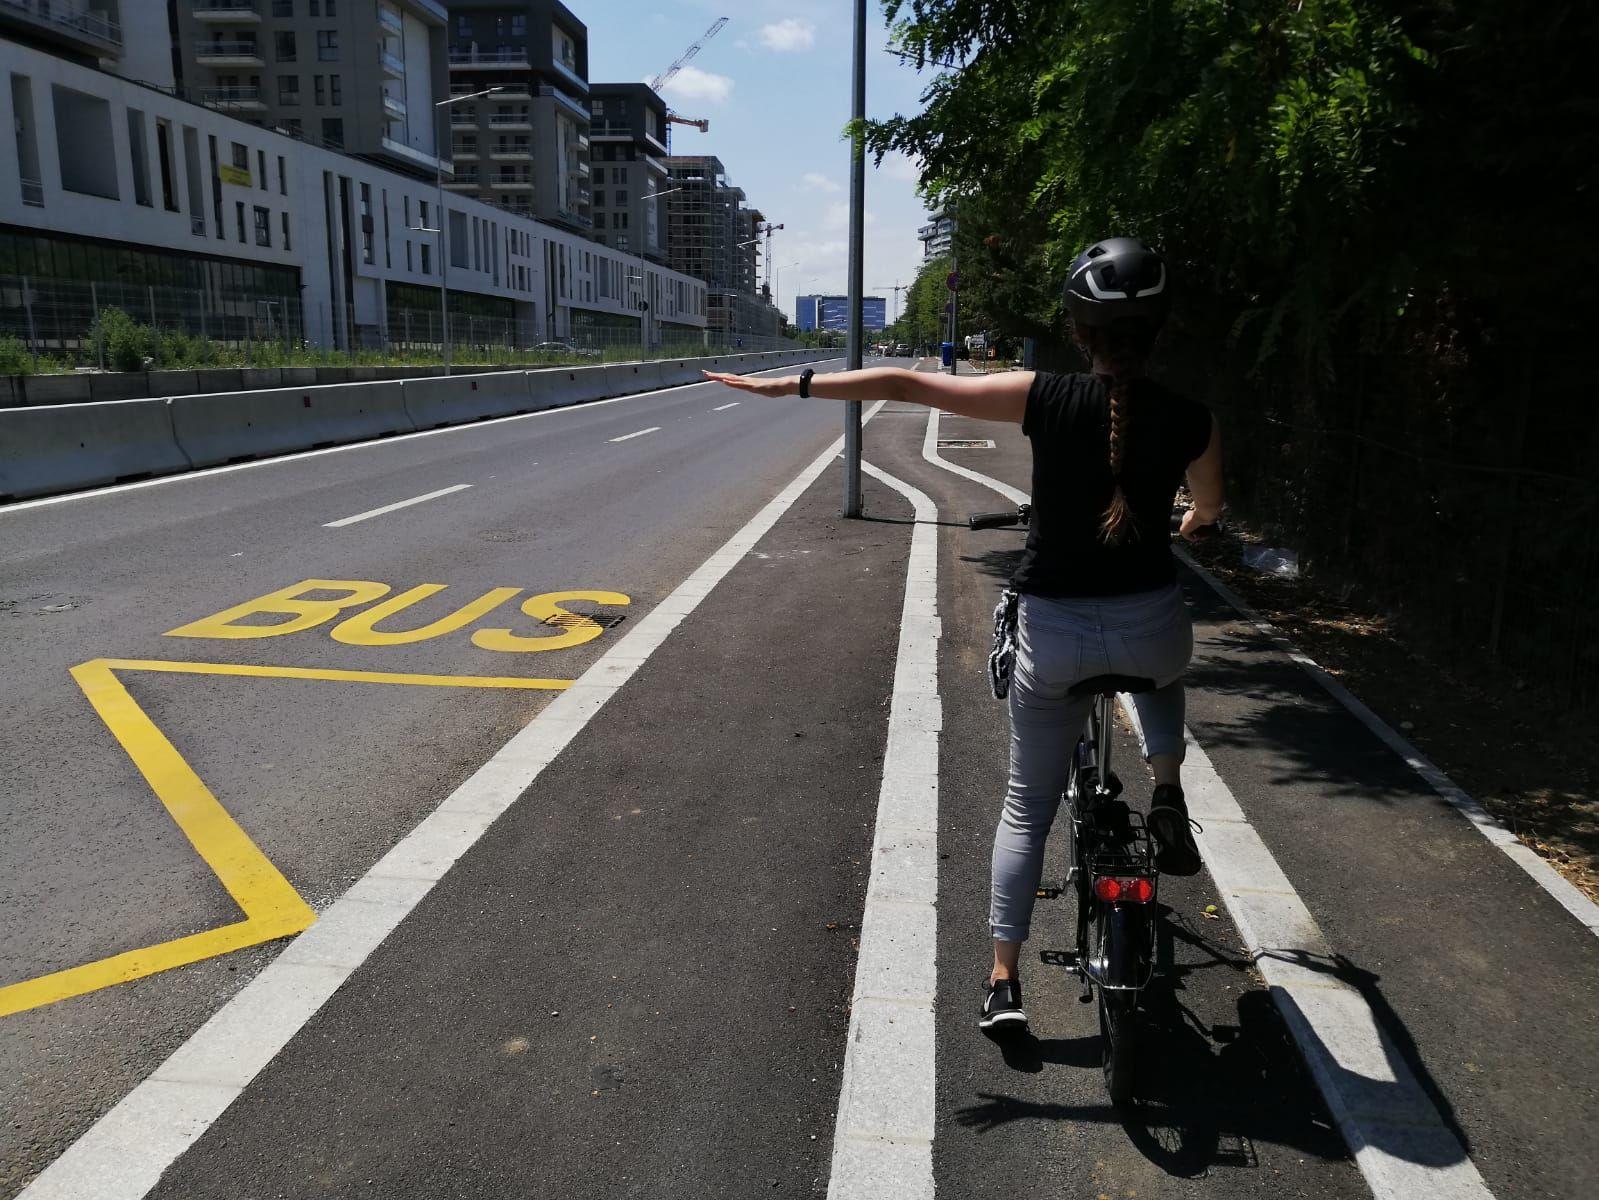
1116 279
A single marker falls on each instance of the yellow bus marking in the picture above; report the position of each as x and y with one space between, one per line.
272 908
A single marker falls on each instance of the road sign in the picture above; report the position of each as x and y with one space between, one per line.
953 282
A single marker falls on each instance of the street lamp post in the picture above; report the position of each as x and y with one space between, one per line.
857 237
438 184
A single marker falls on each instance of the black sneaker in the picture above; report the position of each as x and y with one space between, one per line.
1002 1006
1174 832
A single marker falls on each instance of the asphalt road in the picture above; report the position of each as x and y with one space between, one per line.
637 983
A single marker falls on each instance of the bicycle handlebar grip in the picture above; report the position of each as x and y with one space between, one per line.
994 520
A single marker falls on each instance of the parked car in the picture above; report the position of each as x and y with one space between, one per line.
565 349
902 351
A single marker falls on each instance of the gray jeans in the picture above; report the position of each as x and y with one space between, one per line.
1058 643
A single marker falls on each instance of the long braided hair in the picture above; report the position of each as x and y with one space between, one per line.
1123 347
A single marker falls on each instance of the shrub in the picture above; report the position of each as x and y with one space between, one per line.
123 341
14 357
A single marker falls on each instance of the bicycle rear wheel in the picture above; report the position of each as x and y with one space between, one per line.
1118 1032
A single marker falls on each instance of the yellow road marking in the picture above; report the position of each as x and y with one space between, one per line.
272 908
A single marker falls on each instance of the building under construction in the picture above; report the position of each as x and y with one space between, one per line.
711 234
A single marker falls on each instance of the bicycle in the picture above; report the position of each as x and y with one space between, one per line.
1112 873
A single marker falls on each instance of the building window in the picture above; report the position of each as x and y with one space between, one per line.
621 199
283 176
284 47
319 90
238 214
335 91
286 244
282 8
408 265
333 131
288 90
263 226
463 26
427 259
327 45
599 199
599 177
294 126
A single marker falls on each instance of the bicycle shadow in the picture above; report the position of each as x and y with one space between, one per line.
1207 1093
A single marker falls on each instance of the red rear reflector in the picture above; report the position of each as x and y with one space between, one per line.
1126 889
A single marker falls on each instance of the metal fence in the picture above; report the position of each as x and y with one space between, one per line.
54 325
54 321
1456 491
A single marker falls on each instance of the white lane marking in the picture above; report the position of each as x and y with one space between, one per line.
297 456
640 433
930 453
1400 1142
398 504
122 1155
725 407
884 1129
1564 892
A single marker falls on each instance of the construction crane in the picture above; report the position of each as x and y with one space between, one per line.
896 289
769 229
703 124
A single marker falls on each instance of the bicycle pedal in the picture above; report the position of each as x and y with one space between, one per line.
1048 893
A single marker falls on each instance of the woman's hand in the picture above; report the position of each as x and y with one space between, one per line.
1198 526
788 385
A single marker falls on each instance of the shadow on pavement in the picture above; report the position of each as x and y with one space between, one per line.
1207 1093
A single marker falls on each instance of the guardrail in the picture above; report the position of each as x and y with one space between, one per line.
64 447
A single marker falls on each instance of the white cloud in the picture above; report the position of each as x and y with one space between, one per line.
899 165
818 182
788 34
837 216
691 83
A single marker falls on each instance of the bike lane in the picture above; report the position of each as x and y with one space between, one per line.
1228 1109
1480 981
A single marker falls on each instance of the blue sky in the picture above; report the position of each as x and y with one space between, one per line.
775 84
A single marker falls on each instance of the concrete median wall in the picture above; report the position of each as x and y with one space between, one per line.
63 447
454 399
240 425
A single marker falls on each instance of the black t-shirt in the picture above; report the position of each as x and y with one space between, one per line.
1068 423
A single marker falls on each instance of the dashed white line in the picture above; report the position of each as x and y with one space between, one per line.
639 433
398 504
723 407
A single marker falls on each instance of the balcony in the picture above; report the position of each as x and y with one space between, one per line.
509 57
464 180
466 153
611 129
389 22
235 99
509 93
226 12
394 106
513 179
511 151
576 166
222 52
32 192
66 23
654 164
392 65
511 121
575 107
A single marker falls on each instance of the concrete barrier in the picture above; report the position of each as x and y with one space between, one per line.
259 378
623 379
675 371
571 385
221 428
55 389
454 399
57 448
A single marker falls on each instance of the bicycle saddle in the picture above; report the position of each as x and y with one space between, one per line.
1109 685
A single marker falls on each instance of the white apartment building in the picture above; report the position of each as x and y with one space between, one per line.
107 174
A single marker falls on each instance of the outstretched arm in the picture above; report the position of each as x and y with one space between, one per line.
986 397
1205 486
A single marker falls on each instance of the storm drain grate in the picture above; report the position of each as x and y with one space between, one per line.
965 444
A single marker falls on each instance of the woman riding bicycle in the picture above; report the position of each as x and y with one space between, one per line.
1097 582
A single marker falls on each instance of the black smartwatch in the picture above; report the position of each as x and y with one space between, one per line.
805 383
